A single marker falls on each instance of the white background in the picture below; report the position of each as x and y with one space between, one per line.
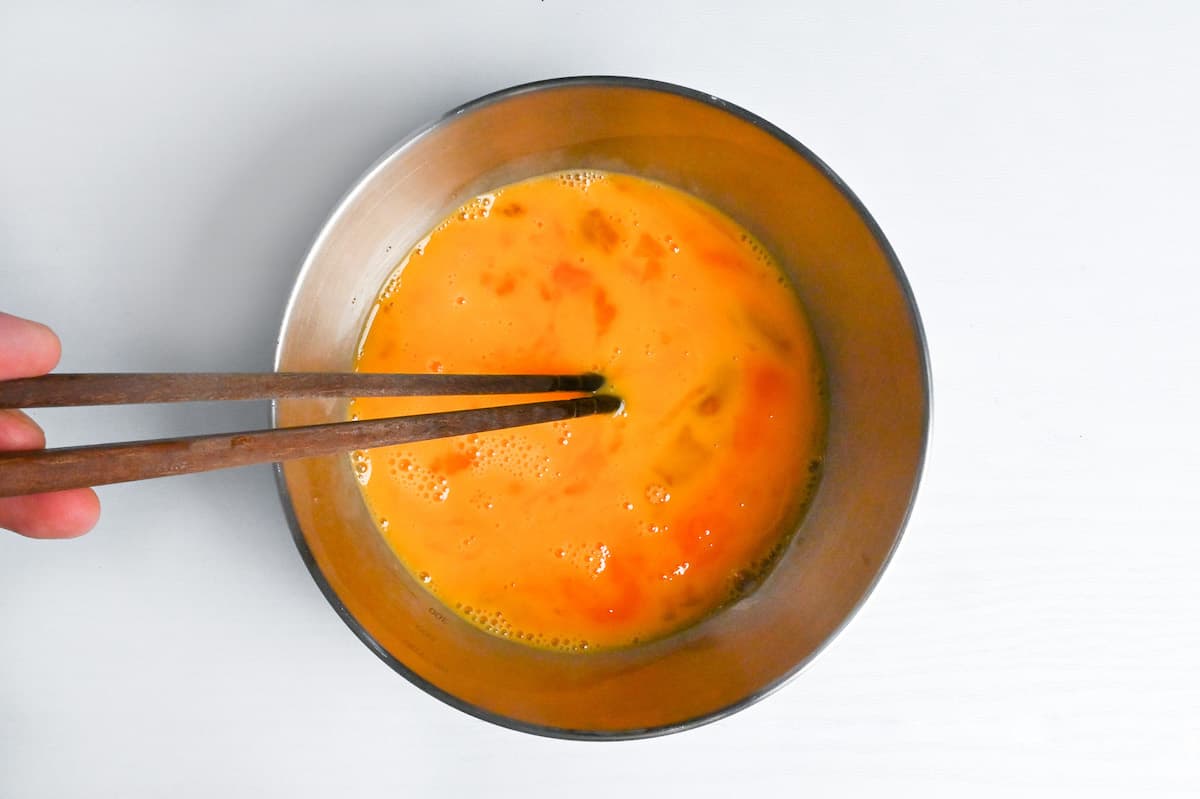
162 172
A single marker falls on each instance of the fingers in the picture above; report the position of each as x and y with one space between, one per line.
29 348
18 431
61 514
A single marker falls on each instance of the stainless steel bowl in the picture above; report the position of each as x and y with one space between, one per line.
865 322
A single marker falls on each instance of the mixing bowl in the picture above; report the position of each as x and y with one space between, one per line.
865 323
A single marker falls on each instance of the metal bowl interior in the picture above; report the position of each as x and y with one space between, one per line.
861 311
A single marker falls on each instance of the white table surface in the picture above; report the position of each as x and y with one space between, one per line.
162 172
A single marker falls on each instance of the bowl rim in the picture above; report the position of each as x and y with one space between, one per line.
644 84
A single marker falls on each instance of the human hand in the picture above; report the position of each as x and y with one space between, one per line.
28 349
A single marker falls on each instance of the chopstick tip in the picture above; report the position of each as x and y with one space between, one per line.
608 403
591 381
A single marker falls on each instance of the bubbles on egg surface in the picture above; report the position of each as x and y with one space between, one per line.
648 528
477 208
760 254
581 180
496 623
657 494
362 339
440 490
599 561
593 558
419 249
405 470
480 500
394 281
492 621
360 461
678 571
507 451
563 431
589 558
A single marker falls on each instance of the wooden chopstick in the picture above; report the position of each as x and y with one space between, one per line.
73 467
61 390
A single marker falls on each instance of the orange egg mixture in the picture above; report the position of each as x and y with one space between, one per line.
606 530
